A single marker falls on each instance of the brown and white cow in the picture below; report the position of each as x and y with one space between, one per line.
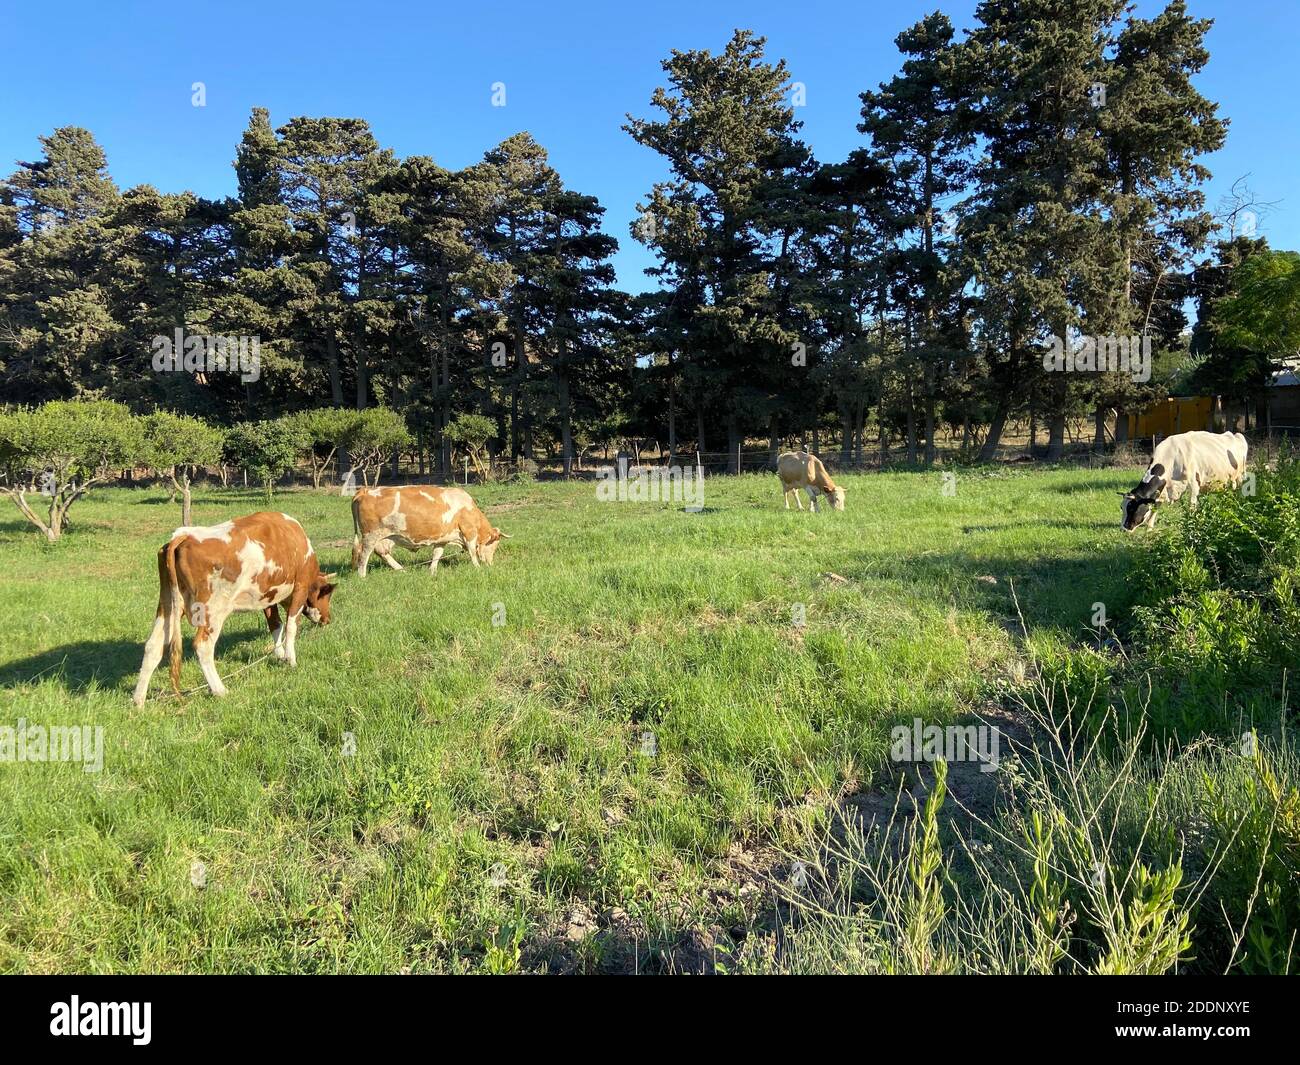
210 572
800 470
419 516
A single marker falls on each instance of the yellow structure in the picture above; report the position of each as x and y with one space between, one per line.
1177 414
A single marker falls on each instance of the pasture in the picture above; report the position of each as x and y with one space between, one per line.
584 757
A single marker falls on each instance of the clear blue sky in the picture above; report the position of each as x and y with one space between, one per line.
421 74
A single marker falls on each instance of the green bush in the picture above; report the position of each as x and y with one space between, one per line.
268 449
60 450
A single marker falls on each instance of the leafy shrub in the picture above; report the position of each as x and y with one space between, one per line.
61 449
268 448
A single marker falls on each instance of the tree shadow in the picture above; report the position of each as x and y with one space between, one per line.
103 662
1046 523
1076 488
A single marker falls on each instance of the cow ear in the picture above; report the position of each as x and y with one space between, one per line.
1157 470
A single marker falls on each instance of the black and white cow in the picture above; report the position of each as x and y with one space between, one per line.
1186 462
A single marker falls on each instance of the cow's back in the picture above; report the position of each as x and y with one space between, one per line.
1207 457
250 559
797 468
417 513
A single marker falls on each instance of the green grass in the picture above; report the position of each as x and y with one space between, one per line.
499 781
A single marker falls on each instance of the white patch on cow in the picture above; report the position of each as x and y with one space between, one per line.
395 519
372 491
456 502
206 532
310 550
275 594
290 517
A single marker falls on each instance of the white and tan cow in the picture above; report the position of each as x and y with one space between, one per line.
1184 463
419 516
210 572
799 470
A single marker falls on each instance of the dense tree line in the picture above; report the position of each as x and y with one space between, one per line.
1038 178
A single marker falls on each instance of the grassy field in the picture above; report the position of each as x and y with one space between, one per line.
474 771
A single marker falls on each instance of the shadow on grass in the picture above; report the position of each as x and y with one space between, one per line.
1055 591
105 662
1086 486
1046 523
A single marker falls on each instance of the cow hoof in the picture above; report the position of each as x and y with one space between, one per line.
219 693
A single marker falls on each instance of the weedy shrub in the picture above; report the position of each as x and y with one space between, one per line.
1214 632
1217 618
1100 857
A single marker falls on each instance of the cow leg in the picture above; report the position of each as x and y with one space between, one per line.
291 639
385 549
798 498
1193 493
437 557
812 498
153 652
205 646
368 545
272 614
471 546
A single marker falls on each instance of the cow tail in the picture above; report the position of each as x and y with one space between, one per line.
356 533
175 607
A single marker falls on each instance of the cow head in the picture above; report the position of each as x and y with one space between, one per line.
1139 505
318 598
487 548
837 498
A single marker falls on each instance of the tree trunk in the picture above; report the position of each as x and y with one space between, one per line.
672 411
1056 425
930 450
911 425
1099 429
336 377
186 503
996 427
566 424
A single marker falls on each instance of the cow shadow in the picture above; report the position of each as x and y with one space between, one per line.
100 663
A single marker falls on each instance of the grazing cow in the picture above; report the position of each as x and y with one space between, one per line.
1186 462
210 572
798 469
419 516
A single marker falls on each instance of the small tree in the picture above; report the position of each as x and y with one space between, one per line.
60 450
469 434
1262 313
174 444
268 448
324 430
375 435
